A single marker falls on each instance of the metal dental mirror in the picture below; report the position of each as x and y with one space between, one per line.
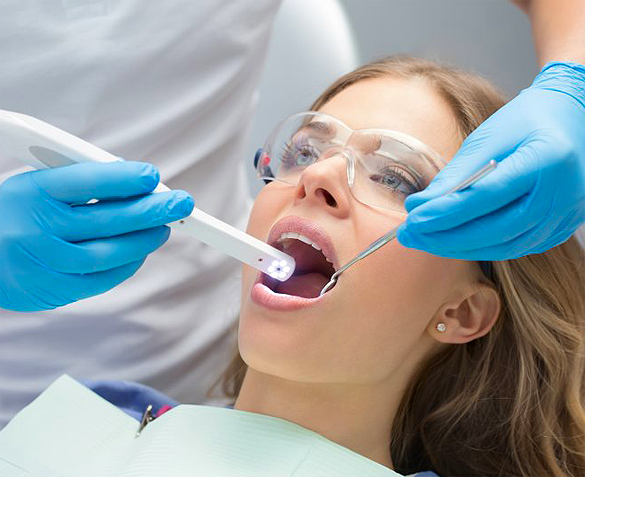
491 165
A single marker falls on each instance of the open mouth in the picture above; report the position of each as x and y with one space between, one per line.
312 272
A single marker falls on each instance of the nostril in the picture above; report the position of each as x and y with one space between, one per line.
328 197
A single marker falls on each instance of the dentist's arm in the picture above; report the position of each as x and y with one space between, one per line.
53 253
534 200
557 27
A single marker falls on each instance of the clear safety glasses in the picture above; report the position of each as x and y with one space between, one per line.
383 167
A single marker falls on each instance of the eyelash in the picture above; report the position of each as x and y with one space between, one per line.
404 175
289 149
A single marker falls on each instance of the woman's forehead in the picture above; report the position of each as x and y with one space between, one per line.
411 106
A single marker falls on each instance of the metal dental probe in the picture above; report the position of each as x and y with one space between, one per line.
491 165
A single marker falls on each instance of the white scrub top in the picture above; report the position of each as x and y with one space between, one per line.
171 83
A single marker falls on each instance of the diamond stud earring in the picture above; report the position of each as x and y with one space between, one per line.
441 327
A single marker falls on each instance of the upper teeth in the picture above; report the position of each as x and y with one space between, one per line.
283 238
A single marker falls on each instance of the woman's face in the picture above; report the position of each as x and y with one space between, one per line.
377 322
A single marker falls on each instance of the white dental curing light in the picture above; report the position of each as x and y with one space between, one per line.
44 146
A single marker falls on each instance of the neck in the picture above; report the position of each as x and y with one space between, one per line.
358 417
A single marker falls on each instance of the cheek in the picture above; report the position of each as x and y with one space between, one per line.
401 289
263 213
388 301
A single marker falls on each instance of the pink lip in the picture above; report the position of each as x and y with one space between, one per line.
302 226
263 296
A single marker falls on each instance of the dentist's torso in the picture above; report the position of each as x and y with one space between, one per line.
171 83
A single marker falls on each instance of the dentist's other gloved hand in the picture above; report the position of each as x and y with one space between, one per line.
53 253
533 200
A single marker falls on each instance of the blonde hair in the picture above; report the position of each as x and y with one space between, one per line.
510 403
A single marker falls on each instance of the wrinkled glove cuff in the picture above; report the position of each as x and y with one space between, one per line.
564 77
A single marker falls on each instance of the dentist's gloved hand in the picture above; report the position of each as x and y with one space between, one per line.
52 253
533 200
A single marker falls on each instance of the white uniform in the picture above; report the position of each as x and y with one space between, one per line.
171 83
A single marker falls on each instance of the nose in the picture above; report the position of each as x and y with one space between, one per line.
325 184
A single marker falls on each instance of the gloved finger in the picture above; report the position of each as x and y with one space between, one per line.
82 182
82 286
524 244
101 254
451 253
499 226
514 177
109 219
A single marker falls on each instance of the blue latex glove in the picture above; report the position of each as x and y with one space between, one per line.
533 200
52 253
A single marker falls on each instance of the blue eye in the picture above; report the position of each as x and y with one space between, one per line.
305 157
294 155
393 180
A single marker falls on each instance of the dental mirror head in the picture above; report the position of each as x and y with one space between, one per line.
42 146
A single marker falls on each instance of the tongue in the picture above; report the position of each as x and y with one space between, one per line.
308 285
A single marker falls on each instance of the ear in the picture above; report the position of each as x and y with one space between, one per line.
468 318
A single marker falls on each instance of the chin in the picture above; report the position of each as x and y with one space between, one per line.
269 347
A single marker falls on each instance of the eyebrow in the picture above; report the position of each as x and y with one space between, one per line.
430 156
321 127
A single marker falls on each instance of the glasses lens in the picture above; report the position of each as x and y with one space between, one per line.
387 166
389 169
297 143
